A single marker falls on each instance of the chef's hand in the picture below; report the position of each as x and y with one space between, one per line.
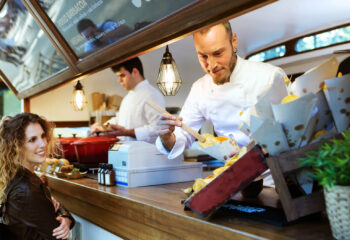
96 127
55 204
62 231
117 130
166 126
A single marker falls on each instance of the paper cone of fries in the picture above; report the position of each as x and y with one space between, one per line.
295 118
338 97
255 123
324 120
271 137
274 95
245 128
313 80
221 151
245 117
310 129
330 133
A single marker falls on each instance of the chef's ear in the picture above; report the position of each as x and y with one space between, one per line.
234 41
135 71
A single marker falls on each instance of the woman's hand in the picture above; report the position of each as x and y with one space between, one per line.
55 204
63 230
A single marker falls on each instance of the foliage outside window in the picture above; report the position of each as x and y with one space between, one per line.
271 53
9 104
324 39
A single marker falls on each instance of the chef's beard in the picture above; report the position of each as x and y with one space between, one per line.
226 77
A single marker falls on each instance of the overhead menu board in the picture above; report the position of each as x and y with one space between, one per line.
27 57
89 25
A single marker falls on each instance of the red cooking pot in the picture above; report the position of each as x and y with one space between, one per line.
93 149
67 150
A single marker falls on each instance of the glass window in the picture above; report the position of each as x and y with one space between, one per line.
271 53
27 56
9 104
324 39
89 25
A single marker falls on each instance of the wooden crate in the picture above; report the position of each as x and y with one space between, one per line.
287 163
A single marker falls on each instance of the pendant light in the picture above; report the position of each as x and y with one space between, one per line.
169 80
78 98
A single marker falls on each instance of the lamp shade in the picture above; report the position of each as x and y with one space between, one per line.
78 100
169 80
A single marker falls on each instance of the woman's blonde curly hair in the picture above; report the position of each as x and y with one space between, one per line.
12 139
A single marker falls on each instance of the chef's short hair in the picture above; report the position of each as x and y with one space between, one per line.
226 25
129 65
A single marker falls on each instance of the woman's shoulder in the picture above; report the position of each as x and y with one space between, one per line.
24 183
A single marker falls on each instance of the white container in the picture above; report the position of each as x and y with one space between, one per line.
138 154
186 171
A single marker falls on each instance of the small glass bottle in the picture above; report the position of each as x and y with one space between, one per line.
103 170
99 173
109 175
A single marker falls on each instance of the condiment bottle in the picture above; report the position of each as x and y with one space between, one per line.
99 173
109 175
103 169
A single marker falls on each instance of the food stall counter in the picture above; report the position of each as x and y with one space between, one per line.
156 212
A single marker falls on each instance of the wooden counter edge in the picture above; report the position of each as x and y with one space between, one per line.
131 219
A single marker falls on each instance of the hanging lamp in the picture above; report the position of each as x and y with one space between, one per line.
169 80
78 98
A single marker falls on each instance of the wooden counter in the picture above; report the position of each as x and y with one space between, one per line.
156 212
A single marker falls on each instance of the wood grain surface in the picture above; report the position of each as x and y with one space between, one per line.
156 212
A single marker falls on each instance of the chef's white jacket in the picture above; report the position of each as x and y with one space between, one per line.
222 105
135 113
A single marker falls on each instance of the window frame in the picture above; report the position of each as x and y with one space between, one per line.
291 44
280 45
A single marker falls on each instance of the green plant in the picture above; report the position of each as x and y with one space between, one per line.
331 163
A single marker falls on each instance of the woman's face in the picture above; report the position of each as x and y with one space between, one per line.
35 146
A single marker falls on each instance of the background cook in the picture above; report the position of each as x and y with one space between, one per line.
136 120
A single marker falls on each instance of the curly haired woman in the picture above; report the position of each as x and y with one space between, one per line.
28 211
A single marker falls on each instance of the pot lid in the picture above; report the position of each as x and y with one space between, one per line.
96 139
67 140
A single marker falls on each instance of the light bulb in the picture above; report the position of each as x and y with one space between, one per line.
78 98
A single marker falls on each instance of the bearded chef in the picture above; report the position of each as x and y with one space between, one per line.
231 85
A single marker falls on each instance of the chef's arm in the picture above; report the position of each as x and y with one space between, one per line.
130 133
117 130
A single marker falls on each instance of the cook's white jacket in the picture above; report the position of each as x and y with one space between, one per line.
135 113
221 105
